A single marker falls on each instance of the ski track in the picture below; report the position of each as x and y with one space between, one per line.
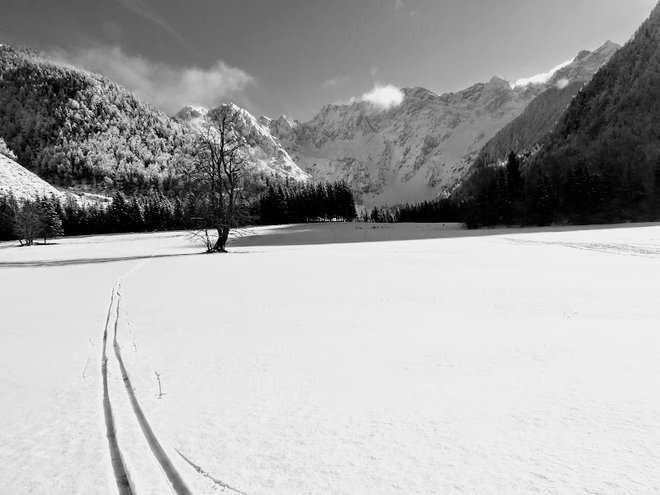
118 467
178 484
601 247
221 484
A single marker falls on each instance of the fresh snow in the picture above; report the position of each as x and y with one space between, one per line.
23 184
338 359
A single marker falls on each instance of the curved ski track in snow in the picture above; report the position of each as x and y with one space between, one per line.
178 484
121 476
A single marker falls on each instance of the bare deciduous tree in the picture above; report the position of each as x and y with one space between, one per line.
28 222
221 159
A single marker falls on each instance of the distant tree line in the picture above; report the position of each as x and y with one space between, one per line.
575 194
51 217
440 210
306 203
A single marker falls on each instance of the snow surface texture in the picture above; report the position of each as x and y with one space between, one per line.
23 184
339 359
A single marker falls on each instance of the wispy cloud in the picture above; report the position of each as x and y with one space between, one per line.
542 78
403 5
166 86
144 10
335 82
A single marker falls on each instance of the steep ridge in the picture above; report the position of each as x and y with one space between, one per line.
612 127
525 132
425 145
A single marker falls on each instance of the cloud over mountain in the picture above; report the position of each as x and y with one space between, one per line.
384 97
166 86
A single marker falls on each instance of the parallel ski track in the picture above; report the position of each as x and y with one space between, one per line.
178 484
118 467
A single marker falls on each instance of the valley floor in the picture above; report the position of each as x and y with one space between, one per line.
337 359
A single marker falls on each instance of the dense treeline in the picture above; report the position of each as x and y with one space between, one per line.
580 195
601 162
52 217
441 210
76 128
306 203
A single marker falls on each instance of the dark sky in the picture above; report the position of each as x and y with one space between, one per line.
293 56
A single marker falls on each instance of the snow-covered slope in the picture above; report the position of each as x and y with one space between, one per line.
421 147
23 184
525 132
265 152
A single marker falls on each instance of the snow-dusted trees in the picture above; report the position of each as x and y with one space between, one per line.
220 172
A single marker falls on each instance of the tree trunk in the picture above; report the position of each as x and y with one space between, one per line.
223 235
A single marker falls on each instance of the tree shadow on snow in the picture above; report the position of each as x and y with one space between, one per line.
86 261
348 233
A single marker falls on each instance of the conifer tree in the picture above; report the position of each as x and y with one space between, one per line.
51 224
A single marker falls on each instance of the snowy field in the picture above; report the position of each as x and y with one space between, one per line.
336 359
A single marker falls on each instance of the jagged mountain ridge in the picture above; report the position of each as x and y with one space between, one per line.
420 148
611 129
526 131
264 151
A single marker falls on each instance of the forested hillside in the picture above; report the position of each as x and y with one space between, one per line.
612 126
527 130
74 128
601 163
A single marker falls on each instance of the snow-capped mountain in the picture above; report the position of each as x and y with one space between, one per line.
525 132
423 146
266 154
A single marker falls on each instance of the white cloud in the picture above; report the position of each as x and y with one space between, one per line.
542 78
562 83
166 86
384 97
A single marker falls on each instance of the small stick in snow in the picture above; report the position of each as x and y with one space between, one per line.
85 368
160 389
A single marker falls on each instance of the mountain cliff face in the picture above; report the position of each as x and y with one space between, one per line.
527 130
266 155
422 147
